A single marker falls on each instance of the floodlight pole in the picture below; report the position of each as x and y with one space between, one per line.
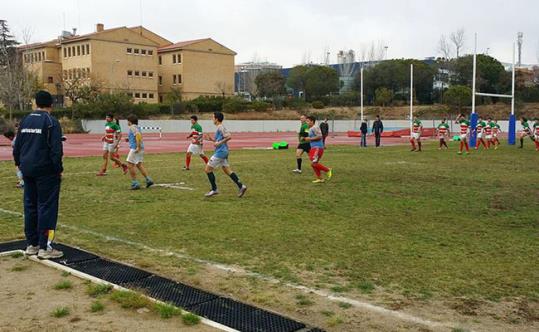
361 93
411 96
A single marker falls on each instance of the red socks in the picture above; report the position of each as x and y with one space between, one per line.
205 159
318 168
187 161
413 143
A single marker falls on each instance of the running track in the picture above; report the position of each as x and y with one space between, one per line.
84 145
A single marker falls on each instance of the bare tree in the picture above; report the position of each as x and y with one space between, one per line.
458 38
306 57
376 51
79 88
222 88
444 48
27 34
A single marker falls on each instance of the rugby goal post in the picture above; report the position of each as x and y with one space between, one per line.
511 134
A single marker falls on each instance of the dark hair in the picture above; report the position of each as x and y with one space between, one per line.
133 119
378 115
312 118
9 134
219 116
109 115
194 117
43 99
524 119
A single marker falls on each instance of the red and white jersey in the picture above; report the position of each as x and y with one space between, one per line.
488 130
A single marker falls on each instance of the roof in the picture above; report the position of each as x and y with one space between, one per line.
38 45
181 44
88 35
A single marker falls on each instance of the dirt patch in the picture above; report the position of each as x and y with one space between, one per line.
28 297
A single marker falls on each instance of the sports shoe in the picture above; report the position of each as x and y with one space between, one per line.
319 181
212 193
149 183
135 186
125 169
242 191
330 173
101 174
298 171
20 185
412 150
31 250
49 253
459 153
185 168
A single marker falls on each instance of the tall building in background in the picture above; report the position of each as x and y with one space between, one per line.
135 61
246 74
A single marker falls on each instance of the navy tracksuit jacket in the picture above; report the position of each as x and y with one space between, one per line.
38 154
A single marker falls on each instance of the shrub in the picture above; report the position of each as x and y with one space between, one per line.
60 312
128 299
295 104
206 104
260 106
98 289
317 104
235 105
71 126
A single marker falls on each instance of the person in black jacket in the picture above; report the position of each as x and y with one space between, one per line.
38 153
364 131
377 129
324 128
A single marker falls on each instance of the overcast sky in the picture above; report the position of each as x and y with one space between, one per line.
286 31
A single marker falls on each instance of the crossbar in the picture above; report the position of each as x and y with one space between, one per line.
493 95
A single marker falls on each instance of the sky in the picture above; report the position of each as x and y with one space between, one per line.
290 32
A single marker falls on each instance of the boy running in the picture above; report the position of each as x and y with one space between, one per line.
443 132
526 132
536 131
464 131
195 148
479 132
489 129
135 157
220 157
113 135
316 152
10 135
417 128
303 145
495 131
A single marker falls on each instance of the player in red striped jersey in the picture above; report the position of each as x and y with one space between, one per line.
443 132
464 131
417 128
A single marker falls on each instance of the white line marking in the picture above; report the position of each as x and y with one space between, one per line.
173 186
227 268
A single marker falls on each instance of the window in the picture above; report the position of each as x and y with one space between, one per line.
64 73
50 79
129 73
144 95
137 51
143 52
137 73
173 58
160 98
69 52
78 49
160 60
144 74
129 50
150 95
73 50
179 79
83 50
150 74
150 52
179 58
130 94
69 74
65 52
87 48
39 56
160 80
173 79
137 95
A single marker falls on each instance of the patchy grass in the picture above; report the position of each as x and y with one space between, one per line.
303 300
19 268
166 310
190 319
130 300
60 312
17 254
65 274
425 224
97 306
64 284
345 305
96 290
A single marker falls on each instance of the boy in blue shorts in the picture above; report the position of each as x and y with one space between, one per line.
136 153
220 157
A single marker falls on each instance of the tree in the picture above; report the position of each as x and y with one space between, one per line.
321 81
458 96
383 96
8 45
457 38
297 78
173 98
81 89
222 87
270 84
491 75
444 47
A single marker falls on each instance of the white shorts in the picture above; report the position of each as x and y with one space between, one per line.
135 157
463 136
195 149
416 135
488 137
110 147
218 162
479 135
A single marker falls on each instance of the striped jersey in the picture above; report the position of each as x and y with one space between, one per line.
525 126
196 134
480 126
112 129
489 127
536 128
464 125
443 128
416 126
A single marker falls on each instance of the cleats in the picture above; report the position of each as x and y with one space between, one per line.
319 181
135 186
242 191
212 193
149 183
185 168
297 171
330 173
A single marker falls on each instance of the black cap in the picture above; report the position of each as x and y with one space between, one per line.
43 99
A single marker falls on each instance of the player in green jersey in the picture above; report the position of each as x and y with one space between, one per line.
479 129
195 148
111 140
303 145
443 133
526 132
464 132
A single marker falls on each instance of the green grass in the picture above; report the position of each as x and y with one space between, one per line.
166 310
190 319
129 300
430 224
17 254
303 300
96 290
64 284
97 306
60 312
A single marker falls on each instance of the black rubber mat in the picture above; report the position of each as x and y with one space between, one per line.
72 255
167 290
13 245
244 317
115 273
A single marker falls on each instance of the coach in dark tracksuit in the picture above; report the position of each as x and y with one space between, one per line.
377 129
38 154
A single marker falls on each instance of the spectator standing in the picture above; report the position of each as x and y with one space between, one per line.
377 129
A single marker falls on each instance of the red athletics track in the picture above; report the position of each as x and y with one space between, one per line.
84 145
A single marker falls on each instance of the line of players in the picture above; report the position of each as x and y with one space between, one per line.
486 133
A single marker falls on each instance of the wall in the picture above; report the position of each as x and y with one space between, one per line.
183 126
